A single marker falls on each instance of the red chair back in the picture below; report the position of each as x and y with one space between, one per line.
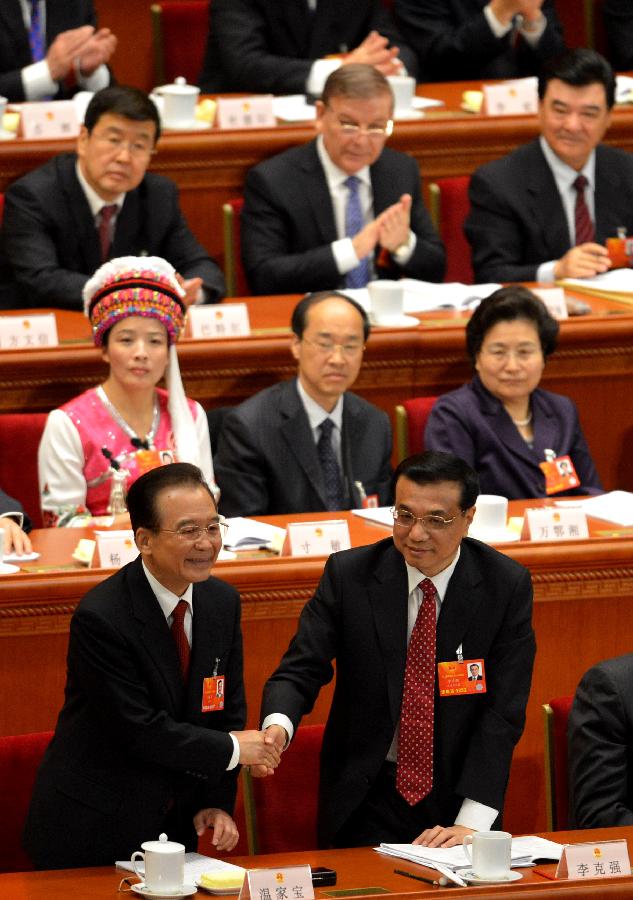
286 803
20 435
449 208
411 418
180 37
20 757
236 282
556 762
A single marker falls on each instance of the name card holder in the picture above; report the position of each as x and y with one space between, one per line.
515 98
246 112
116 548
289 883
554 300
554 524
317 538
604 859
28 332
53 119
222 320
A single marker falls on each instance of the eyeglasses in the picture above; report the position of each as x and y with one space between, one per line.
351 129
329 347
405 519
190 534
114 144
522 354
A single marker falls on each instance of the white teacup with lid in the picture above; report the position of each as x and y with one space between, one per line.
164 865
179 103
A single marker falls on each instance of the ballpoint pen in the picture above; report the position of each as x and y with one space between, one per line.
440 882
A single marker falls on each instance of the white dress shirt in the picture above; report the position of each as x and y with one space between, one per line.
532 35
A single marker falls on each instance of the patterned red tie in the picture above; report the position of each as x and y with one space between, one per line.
414 775
584 226
105 229
180 637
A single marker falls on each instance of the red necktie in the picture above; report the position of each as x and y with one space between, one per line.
584 225
180 637
414 775
105 235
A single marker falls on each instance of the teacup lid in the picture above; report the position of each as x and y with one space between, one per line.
162 845
179 86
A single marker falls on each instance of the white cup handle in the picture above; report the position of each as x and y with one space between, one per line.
133 857
468 839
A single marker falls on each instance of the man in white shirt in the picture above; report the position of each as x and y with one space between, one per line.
545 211
343 209
412 752
50 48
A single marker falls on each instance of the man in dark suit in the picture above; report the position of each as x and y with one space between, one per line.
287 47
530 217
342 209
600 746
15 525
149 737
480 39
274 454
52 50
63 220
618 24
365 615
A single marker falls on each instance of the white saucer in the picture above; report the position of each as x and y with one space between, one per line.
186 891
7 135
471 878
6 569
401 321
219 892
26 557
494 535
401 115
196 125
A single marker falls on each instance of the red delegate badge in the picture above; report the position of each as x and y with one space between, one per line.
457 678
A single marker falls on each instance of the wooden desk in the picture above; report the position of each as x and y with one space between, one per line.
593 366
583 613
357 868
210 167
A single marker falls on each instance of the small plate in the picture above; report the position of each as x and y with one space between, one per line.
403 115
6 569
7 135
402 321
471 878
219 892
26 557
494 535
196 125
186 891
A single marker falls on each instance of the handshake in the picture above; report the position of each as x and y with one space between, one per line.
261 750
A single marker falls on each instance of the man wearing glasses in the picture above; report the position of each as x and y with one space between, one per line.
63 220
343 209
309 444
150 734
413 751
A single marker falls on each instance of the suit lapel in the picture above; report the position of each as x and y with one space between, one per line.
380 186
126 226
461 604
607 189
296 432
501 424
546 427
545 206
12 22
317 194
85 234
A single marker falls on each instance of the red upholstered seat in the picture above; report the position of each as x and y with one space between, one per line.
179 29
236 283
449 207
282 809
411 418
556 787
20 756
20 435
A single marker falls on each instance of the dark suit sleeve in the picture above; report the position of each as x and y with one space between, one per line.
582 459
599 743
618 22
239 469
8 505
493 229
447 431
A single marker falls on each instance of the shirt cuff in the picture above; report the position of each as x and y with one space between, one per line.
18 516
496 27
279 719
99 79
344 255
319 73
545 272
535 33
235 756
476 815
405 251
37 81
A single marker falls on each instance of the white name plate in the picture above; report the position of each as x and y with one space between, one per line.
554 524
554 300
28 332
318 538
53 119
289 883
246 112
116 548
222 320
516 98
604 859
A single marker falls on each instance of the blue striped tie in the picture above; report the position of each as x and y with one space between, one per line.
36 36
359 276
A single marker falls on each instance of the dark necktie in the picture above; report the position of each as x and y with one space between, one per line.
329 466
414 773
180 637
584 226
105 229
36 35
359 276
